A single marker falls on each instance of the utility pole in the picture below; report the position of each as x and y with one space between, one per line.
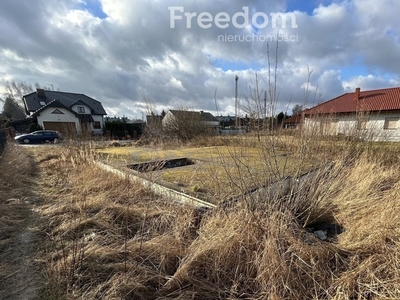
265 105
215 99
237 123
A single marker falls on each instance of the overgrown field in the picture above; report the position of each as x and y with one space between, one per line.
106 238
231 168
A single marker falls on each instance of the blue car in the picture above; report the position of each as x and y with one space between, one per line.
40 136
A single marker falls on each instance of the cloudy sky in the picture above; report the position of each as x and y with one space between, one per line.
136 55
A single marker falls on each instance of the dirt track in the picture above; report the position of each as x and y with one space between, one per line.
20 268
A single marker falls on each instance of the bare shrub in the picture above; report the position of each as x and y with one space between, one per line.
186 125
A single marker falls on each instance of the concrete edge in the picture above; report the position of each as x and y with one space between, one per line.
157 188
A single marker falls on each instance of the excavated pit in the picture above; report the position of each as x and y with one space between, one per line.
157 165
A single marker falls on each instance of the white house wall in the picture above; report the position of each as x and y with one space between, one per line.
168 118
98 118
47 116
376 126
347 125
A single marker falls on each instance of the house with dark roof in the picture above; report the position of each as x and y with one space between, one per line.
65 112
204 118
372 115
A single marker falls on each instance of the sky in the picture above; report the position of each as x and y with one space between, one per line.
137 56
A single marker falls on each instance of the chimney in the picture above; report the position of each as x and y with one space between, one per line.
40 93
357 94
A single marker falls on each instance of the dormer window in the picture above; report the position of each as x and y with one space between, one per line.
42 103
81 109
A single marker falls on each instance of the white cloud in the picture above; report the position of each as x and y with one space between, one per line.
175 84
369 82
134 54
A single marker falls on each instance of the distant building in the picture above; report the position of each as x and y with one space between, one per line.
204 118
154 121
137 121
294 122
113 119
372 114
226 121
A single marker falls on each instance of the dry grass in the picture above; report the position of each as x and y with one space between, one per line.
220 172
109 239
266 253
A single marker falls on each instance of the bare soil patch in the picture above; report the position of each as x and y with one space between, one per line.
20 238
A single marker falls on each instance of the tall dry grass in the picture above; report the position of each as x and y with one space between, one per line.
111 239
108 238
267 253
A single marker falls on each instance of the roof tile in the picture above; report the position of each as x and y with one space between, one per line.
32 101
373 100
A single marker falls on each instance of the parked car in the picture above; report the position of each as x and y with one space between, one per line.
40 136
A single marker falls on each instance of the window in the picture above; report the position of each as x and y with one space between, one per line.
81 109
96 125
391 123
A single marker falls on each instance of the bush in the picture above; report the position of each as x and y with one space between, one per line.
34 127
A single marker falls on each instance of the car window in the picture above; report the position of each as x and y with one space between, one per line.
37 133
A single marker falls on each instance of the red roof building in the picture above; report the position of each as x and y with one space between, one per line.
360 101
373 115
294 122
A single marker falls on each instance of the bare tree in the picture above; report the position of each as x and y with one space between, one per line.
254 106
260 105
13 107
12 110
17 90
297 109
153 120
